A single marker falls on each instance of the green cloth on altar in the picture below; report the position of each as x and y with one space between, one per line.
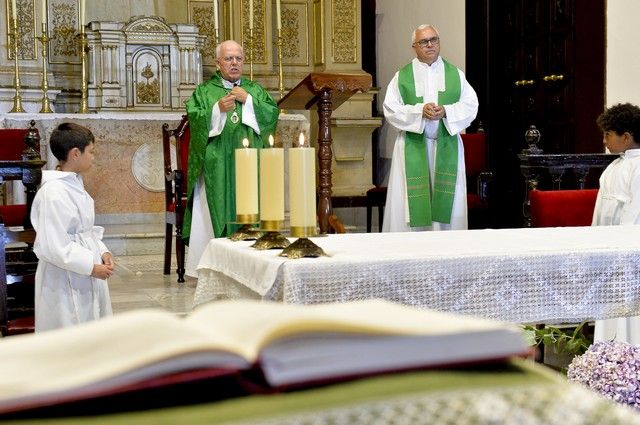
214 156
424 206
487 394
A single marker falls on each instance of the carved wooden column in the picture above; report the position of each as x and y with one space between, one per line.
325 92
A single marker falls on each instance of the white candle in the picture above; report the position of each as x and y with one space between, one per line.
215 14
250 14
14 12
302 189
246 183
278 15
82 14
44 11
271 187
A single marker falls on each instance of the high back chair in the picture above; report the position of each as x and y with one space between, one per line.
478 178
175 189
561 208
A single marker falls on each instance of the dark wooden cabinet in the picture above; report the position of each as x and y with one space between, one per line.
535 62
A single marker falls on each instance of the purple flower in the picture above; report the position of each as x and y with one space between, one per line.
611 369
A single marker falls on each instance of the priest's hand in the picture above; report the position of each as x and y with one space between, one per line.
102 271
431 111
240 94
227 103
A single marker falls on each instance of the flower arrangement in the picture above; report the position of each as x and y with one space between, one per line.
610 368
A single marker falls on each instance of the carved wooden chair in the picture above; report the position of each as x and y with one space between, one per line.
560 208
175 185
18 262
478 179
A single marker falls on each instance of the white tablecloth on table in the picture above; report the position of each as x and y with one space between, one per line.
545 275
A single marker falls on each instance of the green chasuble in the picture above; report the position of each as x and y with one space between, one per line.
214 156
429 203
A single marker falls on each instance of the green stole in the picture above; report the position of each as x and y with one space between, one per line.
425 207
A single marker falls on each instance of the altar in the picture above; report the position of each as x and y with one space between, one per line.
531 275
128 173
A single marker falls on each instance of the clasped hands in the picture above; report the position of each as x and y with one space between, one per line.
104 270
431 111
228 102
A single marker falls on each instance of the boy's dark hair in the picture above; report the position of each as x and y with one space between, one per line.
68 136
621 118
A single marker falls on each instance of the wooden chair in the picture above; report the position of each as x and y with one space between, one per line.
12 147
478 184
478 179
175 185
560 208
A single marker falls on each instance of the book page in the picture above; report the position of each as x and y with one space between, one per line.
256 324
120 349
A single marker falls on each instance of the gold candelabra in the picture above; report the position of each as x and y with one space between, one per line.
44 39
17 98
280 75
251 53
84 47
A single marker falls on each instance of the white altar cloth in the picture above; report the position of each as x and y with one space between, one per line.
539 275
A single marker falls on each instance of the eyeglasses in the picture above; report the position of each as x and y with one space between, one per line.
230 59
425 42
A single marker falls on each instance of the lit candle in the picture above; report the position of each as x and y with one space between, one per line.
246 184
271 187
302 189
215 14
250 14
14 11
278 15
44 11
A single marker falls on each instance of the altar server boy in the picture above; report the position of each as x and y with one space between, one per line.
74 264
618 201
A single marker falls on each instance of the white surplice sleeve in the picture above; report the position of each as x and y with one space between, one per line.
217 121
249 115
631 210
460 114
401 116
51 219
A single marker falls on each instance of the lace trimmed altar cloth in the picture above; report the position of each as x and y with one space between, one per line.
534 275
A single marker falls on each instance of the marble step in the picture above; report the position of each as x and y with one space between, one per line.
134 239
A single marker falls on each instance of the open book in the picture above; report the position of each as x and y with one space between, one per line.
287 346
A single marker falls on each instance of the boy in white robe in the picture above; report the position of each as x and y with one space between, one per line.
74 264
618 201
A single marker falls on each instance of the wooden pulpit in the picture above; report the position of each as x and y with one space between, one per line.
324 92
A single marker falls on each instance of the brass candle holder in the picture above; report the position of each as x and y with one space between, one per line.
272 238
44 39
84 48
251 53
17 98
303 246
248 231
280 74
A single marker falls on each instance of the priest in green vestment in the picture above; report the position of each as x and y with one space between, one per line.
429 102
222 112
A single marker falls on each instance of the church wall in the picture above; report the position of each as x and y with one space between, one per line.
394 27
623 58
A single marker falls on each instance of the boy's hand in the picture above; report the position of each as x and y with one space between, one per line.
102 271
107 259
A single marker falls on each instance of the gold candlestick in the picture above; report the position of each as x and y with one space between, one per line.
46 108
84 47
280 75
251 53
17 99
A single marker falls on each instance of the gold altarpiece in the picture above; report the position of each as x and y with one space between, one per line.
317 36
